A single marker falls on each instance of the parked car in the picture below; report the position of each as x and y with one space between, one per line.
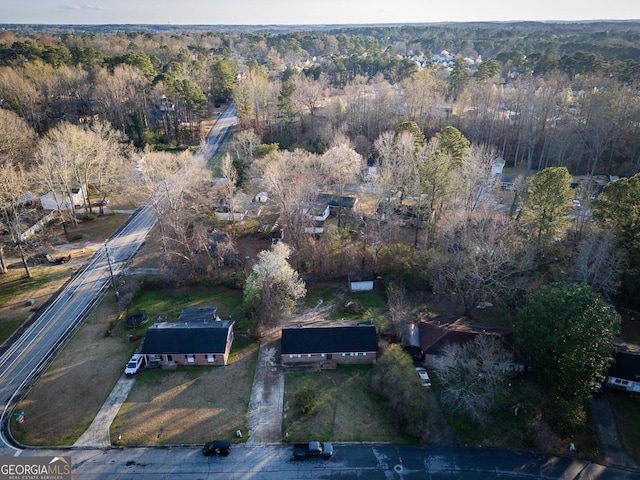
217 447
424 376
135 364
312 449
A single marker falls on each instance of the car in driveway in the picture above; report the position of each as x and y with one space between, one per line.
217 447
135 364
424 376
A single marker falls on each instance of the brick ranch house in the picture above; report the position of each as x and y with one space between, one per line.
199 337
426 341
329 346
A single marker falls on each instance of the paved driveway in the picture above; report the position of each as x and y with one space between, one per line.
611 450
265 405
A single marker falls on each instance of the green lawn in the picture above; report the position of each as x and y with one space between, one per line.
318 295
15 285
626 411
371 302
346 408
167 303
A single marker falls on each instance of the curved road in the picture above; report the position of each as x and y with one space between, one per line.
32 352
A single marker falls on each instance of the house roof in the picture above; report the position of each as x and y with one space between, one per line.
198 314
337 201
187 338
353 338
430 338
625 366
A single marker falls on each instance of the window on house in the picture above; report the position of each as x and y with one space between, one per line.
211 358
190 358
169 358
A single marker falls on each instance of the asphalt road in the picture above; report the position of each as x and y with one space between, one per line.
34 349
371 462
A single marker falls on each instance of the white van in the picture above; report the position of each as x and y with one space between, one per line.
135 364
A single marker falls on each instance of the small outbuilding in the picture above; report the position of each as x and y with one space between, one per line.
360 283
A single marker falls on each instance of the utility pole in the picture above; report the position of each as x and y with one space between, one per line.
113 279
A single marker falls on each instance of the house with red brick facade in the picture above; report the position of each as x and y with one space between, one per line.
199 337
329 346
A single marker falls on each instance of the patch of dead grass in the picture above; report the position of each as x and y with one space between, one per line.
189 405
65 400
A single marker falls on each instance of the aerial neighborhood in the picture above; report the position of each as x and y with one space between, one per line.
417 236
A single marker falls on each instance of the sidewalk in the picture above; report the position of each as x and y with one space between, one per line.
97 435
265 405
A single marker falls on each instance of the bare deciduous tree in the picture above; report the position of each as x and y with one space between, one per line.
17 139
597 262
473 375
483 259
399 305
292 178
13 184
228 187
342 166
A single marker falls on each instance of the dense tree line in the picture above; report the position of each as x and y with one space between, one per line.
315 109
538 96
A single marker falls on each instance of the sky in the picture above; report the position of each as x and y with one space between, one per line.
308 12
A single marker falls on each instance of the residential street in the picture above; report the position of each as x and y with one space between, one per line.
374 462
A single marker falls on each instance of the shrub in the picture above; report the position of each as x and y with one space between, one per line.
305 400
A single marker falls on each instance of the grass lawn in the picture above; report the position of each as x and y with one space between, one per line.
346 408
626 411
167 303
188 405
320 295
16 289
371 302
46 280
65 400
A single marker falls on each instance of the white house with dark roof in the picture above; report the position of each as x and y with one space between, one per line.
329 345
199 337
